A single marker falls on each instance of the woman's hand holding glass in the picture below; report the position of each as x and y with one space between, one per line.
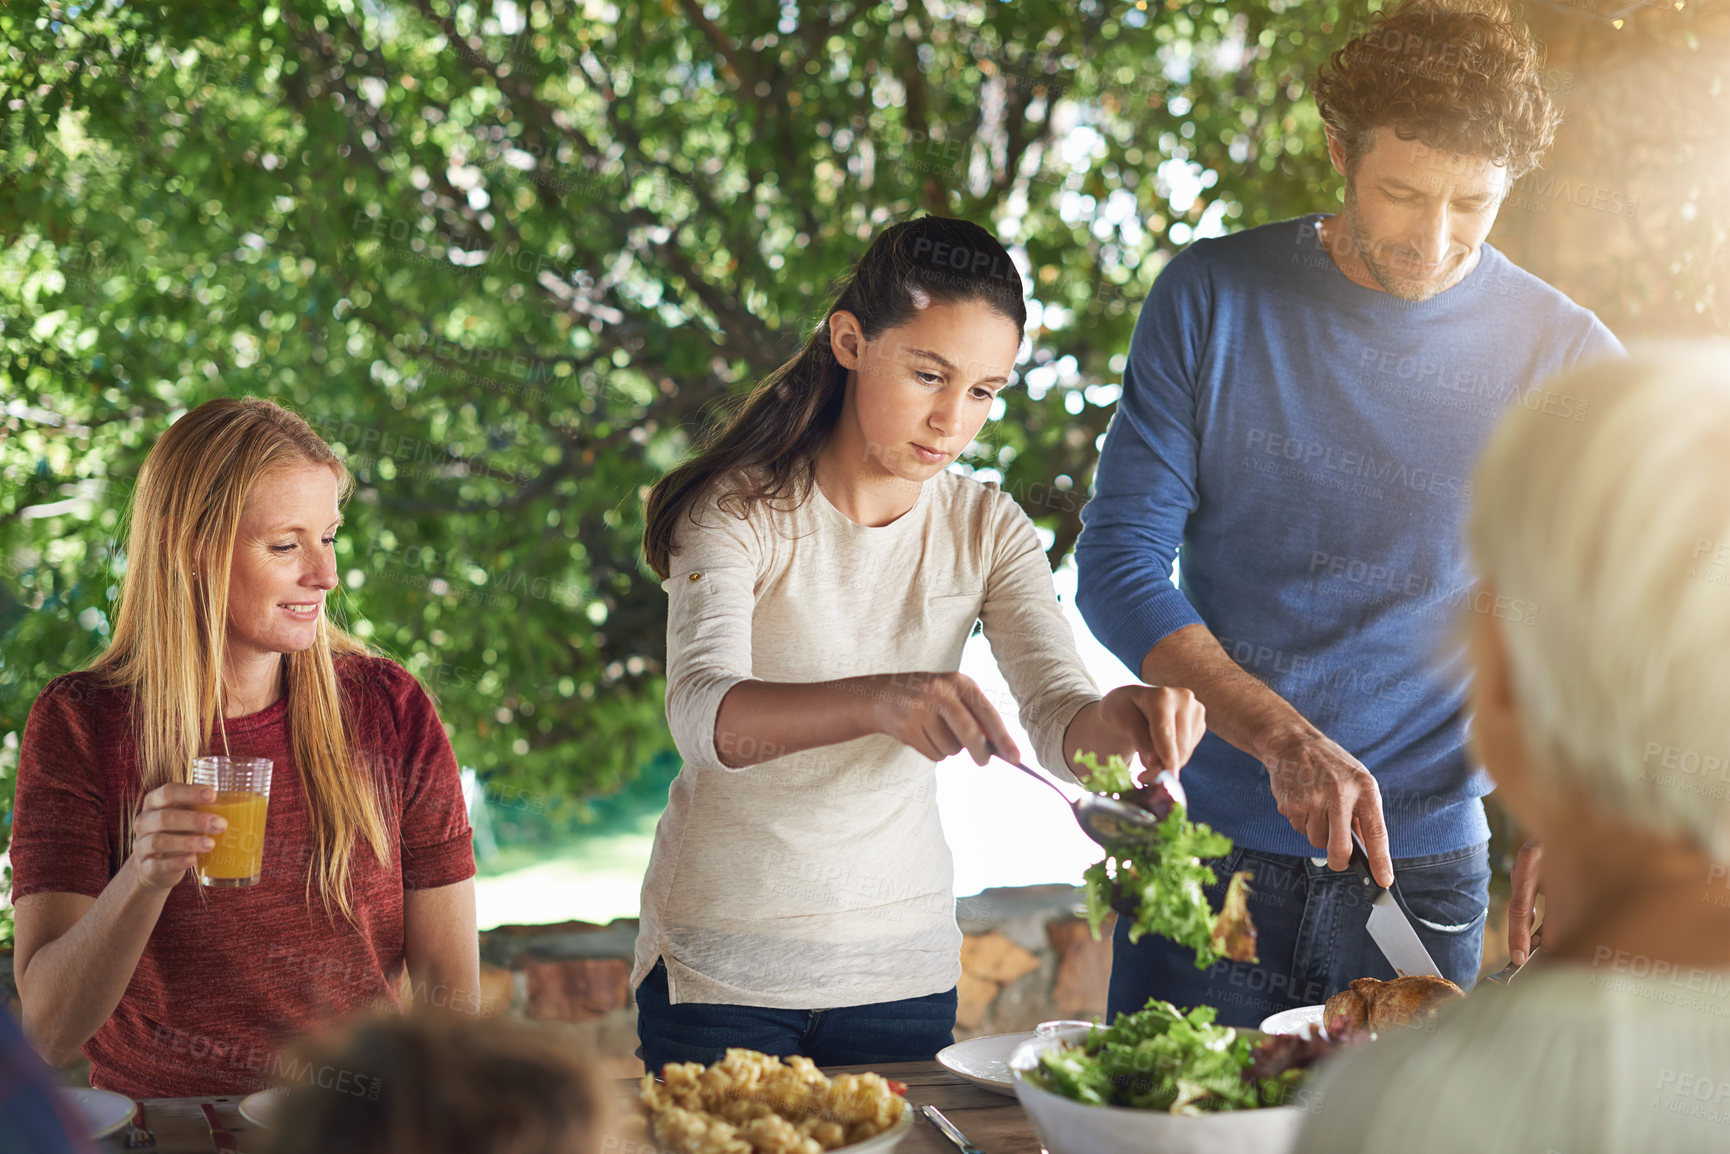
169 834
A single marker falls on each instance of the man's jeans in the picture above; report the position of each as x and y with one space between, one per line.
1311 935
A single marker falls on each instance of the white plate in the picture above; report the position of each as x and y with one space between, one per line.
1295 1021
984 1061
260 1108
104 1112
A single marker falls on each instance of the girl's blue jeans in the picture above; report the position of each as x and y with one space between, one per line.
909 1030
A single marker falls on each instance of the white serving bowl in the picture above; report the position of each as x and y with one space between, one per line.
1066 1126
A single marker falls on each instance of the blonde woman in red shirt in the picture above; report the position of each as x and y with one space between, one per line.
222 646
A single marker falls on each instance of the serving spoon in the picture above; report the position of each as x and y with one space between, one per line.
1106 820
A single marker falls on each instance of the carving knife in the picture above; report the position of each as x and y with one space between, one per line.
1389 927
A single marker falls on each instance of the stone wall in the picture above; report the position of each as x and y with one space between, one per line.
575 974
1026 957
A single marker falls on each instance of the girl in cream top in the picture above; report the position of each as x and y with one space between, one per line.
822 877
823 572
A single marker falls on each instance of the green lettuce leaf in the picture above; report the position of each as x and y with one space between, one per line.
1161 1058
1163 878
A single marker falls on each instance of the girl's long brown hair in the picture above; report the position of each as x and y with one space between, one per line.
170 630
767 448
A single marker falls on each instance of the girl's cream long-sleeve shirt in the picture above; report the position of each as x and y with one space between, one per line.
822 879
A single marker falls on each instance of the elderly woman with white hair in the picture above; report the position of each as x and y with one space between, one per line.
1605 725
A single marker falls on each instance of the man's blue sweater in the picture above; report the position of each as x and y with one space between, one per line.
1310 443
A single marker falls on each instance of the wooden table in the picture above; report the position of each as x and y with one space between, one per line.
993 1122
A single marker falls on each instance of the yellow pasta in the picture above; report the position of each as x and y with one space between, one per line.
752 1103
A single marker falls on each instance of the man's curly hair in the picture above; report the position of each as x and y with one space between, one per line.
1458 79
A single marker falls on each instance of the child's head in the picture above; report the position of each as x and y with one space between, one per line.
437 1083
924 356
922 334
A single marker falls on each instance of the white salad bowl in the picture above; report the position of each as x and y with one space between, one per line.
1066 1126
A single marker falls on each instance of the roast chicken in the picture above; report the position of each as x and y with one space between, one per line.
1370 1004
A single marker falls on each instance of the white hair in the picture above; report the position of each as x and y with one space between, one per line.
1613 522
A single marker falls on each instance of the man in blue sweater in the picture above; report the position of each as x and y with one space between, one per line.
1302 407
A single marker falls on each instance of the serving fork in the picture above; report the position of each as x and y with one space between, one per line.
1506 974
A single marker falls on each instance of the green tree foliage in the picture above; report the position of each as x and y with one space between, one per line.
506 258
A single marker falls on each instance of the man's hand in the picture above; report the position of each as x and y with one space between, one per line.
1524 888
1161 723
1325 792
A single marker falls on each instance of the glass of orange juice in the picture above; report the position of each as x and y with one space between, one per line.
243 798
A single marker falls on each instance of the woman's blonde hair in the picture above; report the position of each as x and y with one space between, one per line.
170 630
1614 525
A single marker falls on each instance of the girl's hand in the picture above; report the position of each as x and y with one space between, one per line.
938 714
1163 724
169 834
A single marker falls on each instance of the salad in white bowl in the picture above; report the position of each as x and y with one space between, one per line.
1163 1079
